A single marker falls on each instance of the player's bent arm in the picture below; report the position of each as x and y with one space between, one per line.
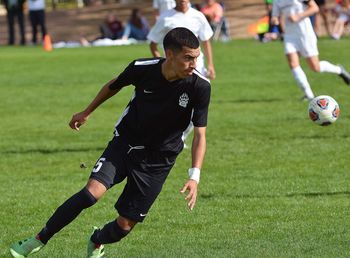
311 10
198 152
154 49
209 56
80 118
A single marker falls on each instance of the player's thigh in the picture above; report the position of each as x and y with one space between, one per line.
110 168
293 60
145 181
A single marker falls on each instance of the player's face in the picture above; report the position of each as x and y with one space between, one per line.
182 4
185 61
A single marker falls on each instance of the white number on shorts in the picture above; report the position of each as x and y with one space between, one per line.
98 165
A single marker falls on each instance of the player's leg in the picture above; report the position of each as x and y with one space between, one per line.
327 67
102 177
112 232
147 172
299 75
63 215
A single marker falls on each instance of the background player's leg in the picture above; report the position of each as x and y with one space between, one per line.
299 75
327 67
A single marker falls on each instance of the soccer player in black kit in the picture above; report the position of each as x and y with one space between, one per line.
169 93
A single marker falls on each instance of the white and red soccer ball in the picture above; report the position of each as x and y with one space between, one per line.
323 110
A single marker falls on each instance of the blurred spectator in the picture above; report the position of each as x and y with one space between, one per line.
111 28
274 31
15 8
137 27
37 18
214 12
160 6
342 11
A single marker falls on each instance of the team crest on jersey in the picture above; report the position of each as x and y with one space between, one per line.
183 100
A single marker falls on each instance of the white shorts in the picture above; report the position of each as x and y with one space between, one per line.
307 47
201 65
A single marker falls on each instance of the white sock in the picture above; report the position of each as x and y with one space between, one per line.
327 67
302 82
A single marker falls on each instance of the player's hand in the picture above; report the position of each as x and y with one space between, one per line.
294 18
191 187
77 120
211 73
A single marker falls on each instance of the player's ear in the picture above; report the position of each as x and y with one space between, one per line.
169 53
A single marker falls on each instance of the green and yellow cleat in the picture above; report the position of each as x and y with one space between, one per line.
26 247
94 250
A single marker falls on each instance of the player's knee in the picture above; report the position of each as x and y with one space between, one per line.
315 68
96 189
86 199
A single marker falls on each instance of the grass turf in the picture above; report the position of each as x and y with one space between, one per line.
273 184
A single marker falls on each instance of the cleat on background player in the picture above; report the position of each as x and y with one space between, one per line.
26 247
305 99
94 250
344 75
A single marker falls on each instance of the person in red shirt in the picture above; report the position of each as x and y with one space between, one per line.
112 28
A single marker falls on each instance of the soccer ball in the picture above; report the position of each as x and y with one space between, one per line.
323 110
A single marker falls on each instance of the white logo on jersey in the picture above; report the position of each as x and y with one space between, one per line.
143 215
183 100
147 91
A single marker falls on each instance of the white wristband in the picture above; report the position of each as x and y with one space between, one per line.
194 174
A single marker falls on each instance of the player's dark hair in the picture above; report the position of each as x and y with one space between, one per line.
178 38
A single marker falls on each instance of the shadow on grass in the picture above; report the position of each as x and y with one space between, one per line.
51 151
262 100
262 196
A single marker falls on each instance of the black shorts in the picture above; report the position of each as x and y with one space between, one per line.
320 2
145 171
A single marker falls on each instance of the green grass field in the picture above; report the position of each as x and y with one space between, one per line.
273 184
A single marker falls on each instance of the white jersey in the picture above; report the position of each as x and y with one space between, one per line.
163 5
286 8
35 5
193 20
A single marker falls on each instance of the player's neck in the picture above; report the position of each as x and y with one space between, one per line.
182 9
168 73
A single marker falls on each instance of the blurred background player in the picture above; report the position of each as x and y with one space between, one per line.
161 6
300 38
185 16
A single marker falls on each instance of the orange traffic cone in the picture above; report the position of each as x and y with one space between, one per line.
47 45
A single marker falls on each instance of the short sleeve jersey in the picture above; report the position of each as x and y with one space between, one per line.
193 20
160 110
285 8
163 5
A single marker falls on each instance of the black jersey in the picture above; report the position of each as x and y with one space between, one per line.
159 110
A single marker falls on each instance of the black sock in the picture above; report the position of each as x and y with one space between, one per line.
66 213
110 233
